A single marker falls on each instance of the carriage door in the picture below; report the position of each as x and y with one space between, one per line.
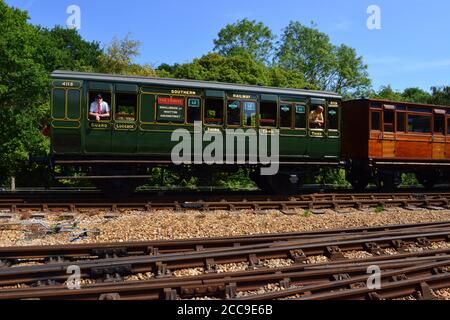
317 139
98 133
124 126
439 134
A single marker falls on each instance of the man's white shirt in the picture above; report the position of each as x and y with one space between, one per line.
94 107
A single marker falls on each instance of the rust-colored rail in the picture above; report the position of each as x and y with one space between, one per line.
162 264
229 285
255 201
202 244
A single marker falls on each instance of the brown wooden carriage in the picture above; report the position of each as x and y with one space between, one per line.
383 139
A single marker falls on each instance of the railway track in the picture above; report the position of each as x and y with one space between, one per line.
75 202
406 256
15 254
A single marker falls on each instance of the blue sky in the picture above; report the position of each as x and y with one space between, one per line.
411 49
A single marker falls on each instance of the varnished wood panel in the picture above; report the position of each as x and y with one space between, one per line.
413 150
375 149
388 149
447 151
438 150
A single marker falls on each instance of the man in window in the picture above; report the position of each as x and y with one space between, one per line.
99 109
316 120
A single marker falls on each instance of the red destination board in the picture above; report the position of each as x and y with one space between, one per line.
171 101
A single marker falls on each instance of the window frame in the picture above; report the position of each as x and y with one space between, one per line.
243 118
292 107
442 114
405 121
327 120
325 114
277 107
384 123
430 115
187 123
224 112
380 123
115 112
241 110
111 105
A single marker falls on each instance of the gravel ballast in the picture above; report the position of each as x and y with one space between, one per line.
168 225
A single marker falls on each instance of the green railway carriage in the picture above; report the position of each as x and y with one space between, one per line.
117 152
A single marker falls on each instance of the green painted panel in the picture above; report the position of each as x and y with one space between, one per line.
124 141
126 88
101 86
269 98
155 142
66 124
318 101
74 104
66 141
292 143
293 99
98 140
147 108
215 94
59 104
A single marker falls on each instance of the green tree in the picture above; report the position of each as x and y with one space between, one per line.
387 93
242 69
28 54
251 37
440 95
64 49
119 56
416 95
324 65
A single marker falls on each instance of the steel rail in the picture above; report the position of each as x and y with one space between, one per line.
355 288
204 244
252 253
215 285
235 202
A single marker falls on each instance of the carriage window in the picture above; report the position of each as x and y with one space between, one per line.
448 125
333 119
93 106
419 124
376 120
401 122
286 116
268 114
250 114
194 110
214 112
317 117
126 106
389 116
234 113
439 124
300 116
